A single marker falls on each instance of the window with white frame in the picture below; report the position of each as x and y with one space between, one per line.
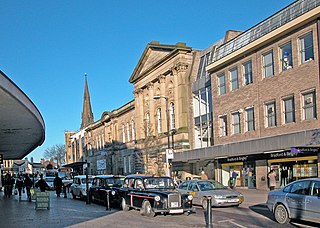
288 110
247 72
159 120
223 125
234 82
236 123
128 131
133 131
250 125
306 47
270 110
309 105
172 116
221 84
286 56
123 134
268 66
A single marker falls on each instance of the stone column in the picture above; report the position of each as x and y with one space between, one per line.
261 175
150 87
162 80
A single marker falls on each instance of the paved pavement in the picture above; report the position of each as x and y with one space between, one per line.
75 213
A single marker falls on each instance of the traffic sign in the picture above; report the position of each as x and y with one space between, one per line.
170 153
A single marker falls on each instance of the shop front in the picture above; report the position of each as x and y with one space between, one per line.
251 171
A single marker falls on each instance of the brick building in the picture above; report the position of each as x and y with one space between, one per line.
265 91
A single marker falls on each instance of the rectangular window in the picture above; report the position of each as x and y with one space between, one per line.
309 106
289 110
236 123
247 72
204 61
286 56
271 114
250 119
223 125
268 66
125 164
234 84
306 48
221 84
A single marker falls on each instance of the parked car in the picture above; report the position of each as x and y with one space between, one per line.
152 195
298 200
103 185
78 187
221 195
49 181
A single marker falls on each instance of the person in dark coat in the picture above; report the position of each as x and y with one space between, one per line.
28 183
8 184
42 184
57 184
19 185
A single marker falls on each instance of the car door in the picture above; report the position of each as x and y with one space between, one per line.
313 202
95 189
138 195
296 199
193 189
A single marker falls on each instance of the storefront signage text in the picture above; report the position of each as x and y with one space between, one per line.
237 159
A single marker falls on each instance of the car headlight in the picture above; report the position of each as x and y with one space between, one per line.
190 197
157 198
218 196
113 192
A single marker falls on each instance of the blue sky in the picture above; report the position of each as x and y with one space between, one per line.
46 47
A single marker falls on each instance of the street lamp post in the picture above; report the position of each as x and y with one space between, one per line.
168 172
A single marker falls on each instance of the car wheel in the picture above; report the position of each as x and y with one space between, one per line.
281 214
124 206
147 209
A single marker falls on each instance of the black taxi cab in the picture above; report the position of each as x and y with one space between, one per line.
103 186
154 195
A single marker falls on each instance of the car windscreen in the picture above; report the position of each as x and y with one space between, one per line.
210 185
158 182
83 181
115 181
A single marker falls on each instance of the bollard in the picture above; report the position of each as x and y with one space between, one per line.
209 213
108 201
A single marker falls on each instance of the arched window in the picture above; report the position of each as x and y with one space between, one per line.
133 131
172 116
159 119
123 134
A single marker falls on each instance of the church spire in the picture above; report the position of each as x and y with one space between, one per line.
87 115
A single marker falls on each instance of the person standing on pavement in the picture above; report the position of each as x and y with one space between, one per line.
204 175
272 179
234 176
19 185
28 184
57 184
42 184
8 184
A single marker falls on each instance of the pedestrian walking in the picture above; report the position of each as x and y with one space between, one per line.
57 184
8 184
203 175
28 184
272 179
42 184
19 185
234 176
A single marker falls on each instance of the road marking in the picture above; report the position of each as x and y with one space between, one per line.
234 223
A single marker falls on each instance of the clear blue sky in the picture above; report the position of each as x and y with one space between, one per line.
47 46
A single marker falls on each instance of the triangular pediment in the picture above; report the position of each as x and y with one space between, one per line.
152 56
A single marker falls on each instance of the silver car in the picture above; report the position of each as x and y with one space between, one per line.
221 195
297 200
79 186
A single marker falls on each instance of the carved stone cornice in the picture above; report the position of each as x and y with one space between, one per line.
180 67
149 85
162 78
138 91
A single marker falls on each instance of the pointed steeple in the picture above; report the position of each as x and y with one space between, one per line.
87 115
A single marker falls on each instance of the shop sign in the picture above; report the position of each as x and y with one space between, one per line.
237 159
1 158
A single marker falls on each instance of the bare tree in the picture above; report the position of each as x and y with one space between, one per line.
56 153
